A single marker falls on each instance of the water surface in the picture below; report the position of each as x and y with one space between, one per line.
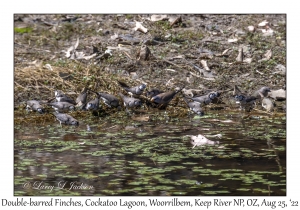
122 156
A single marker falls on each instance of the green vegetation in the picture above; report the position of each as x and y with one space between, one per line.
22 30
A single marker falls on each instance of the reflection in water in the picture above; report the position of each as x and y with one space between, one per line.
154 157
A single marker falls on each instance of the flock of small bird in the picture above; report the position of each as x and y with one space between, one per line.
156 97
248 102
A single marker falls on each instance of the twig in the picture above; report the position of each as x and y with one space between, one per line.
127 55
171 63
37 86
196 67
195 74
111 127
259 72
172 70
20 85
262 111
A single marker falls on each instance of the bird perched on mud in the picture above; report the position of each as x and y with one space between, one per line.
93 104
35 106
65 119
268 104
109 100
206 99
137 90
246 102
153 92
143 53
81 99
62 106
194 106
130 101
262 92
61 97
165 98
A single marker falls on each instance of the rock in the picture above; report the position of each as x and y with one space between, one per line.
280 69
201 140
278 94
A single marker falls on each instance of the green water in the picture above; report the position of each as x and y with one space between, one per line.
121 156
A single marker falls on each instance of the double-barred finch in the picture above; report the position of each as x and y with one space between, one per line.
61 97
109 100
165 98
137 90
194 106
93 104
81 99
65 119
153 92
35 106
246 102
62 106
144 53
130 101
206 99
268 104
262 92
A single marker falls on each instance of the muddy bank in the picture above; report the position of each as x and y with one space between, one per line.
200 52
150 150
